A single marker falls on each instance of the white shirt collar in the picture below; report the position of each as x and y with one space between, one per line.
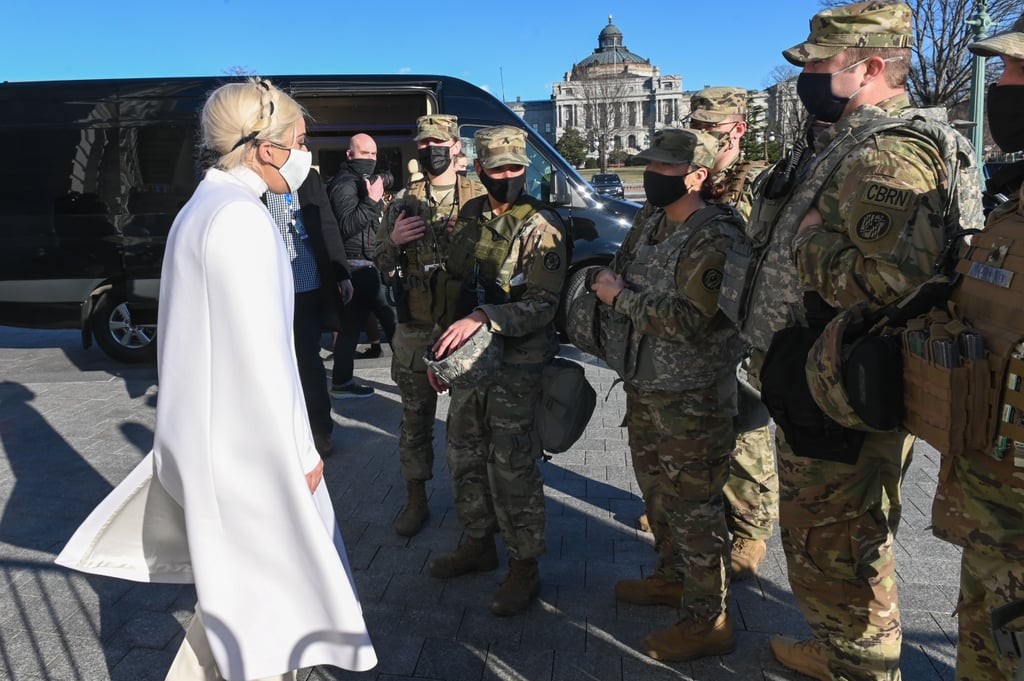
243 175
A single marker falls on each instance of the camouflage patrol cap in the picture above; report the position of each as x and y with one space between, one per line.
437 126
715 104
862 24
672 145
501 145
1006 44
476 360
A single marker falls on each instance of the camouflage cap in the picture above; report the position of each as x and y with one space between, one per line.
437 126
1006 44
681 146
501 145
862 24
715 104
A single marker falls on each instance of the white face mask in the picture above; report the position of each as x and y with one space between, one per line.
296 168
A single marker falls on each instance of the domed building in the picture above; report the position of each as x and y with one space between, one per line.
617 98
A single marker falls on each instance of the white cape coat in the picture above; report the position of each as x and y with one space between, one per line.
222 499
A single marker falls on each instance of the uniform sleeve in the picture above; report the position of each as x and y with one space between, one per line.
691 309
385 251
541 267
882 224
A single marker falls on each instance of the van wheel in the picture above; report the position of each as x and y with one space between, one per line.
576 282
122 330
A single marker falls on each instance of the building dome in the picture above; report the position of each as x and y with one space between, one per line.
610 52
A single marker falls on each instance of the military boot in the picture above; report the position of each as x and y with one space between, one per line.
747 555
689 640
807 657
653 590
416 511
473 555
520 586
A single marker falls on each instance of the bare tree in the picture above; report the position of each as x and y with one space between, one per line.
786 116
605 103
240 71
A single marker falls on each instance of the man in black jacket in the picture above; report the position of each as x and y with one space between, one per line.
321 274
356 198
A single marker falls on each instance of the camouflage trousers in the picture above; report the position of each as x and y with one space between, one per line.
419 400
493 450
986 582
681 464
838 530
752 490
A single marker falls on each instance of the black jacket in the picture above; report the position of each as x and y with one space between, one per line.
356 215
325 240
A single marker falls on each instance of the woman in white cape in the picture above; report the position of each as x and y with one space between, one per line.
231 497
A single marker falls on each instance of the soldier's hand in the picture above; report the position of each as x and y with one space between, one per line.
375 189
604 274
458 333
607 288
408 229
435 382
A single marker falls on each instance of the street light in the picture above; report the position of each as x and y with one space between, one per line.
770 137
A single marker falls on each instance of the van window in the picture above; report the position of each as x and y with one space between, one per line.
538 173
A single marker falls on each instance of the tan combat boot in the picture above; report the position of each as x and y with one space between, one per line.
653 590
807 657
688 640
473 555
747 555
520 586
416 511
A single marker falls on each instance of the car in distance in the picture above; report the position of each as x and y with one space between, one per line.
608 184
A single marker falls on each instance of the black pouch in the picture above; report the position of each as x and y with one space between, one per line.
873 380
808 430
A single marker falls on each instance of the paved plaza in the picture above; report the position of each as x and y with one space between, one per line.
73 423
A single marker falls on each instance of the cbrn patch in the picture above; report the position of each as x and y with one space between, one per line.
873 226
552 261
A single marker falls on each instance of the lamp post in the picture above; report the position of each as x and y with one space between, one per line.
981 22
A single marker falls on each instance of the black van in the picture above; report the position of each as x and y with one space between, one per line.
93 173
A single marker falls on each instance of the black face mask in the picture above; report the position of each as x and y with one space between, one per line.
815 91
434 160
663 190
362 166
1006 116
506 190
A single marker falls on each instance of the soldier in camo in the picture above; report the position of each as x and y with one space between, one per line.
847 221
679 373
980 497
506 251
752 491
411 243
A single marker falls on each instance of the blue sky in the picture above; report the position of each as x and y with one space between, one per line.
520 47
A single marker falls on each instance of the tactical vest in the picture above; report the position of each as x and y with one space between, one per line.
660 364
421 257
482 254
761 291
734 179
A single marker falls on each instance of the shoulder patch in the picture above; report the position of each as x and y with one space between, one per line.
711 279
873 226
885 196
552 261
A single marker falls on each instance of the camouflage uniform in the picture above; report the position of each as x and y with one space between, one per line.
752 491
979 499
437 205
492 442
880 200
679 417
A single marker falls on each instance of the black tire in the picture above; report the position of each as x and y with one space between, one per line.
122 330
577 280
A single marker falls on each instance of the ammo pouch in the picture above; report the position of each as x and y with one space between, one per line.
450 298
566 405
736 277
809 431
614 332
